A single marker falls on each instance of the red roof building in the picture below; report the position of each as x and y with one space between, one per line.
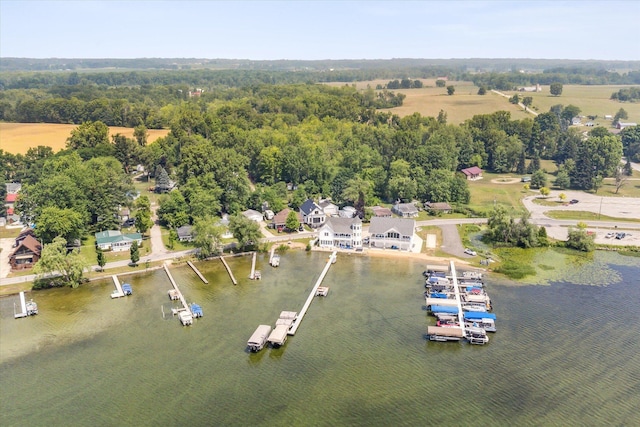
472 173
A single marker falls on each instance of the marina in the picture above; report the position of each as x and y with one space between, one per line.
462 310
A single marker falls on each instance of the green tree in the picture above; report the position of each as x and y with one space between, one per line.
515 99
126 150
620 115
451 90
54 259
102 259
292 222
555 89
141 134
357 191
562 179
562 197
527 101
580 240
441 83
163 183
246 231
538 179
482 90
143 220
173 209
88 135
134 253
207 236
54 222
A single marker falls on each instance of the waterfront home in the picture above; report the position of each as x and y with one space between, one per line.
23 235
278 222
26 254
343 233
114 240
312 214
392 233
405 210
328 207
185 233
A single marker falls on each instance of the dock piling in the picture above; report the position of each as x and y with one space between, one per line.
233 279
193 267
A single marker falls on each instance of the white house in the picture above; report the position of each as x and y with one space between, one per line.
345 233
312 214
328 207
115 241
392 233
253 215
347 212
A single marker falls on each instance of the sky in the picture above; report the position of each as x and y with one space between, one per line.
314 30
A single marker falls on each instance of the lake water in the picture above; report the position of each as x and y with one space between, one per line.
564 354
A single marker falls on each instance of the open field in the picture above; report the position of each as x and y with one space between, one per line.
592 100
17 138
463 105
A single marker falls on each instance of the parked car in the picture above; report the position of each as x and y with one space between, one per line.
609 235
129 223
621 236
470 252
573 201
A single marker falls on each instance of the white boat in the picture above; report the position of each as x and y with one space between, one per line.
275 261
476 335
259 338
278 336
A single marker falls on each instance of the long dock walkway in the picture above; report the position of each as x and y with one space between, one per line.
23 305
233 279
118 292
273 251
456 288
252 275
312 295
193 267
175 286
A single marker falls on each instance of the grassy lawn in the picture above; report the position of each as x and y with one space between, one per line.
485 194
582 215
9 233
548 202
423 235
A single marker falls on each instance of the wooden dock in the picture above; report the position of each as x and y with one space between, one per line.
255 275
193 267
454 279
118 292
177 290
233 279
313 293
23 304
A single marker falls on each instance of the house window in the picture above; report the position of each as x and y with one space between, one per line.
393 235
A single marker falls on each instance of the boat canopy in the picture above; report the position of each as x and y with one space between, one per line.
441 302
477 315
438 295
259 337
444 309
445 332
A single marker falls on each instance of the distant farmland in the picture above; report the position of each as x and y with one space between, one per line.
17 138
465 103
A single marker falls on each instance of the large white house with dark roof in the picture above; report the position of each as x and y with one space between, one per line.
392 233
312 214
345 233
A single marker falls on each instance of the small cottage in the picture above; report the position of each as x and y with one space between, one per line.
473 173
26 254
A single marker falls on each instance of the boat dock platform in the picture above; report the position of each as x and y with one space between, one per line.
312 294
193 267
28 308
255 274
118 293
185 314
233 279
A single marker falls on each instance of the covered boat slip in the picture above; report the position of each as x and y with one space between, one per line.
440 302
259 338
448 309
478 315
279 335
438 333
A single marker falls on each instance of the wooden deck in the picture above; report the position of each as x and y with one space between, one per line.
118 292
233 279
183 301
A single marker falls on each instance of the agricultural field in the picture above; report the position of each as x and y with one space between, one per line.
17 138
462 105
592 100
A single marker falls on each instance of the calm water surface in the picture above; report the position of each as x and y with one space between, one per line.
564 354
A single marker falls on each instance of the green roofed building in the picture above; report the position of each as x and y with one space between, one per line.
114 240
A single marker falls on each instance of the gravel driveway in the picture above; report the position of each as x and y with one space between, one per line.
451 241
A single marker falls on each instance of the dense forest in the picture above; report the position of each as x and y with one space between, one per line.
236 146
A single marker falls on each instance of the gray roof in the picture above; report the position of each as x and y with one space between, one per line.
13 187
406 207
184 231
380 225
308 206
342 225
